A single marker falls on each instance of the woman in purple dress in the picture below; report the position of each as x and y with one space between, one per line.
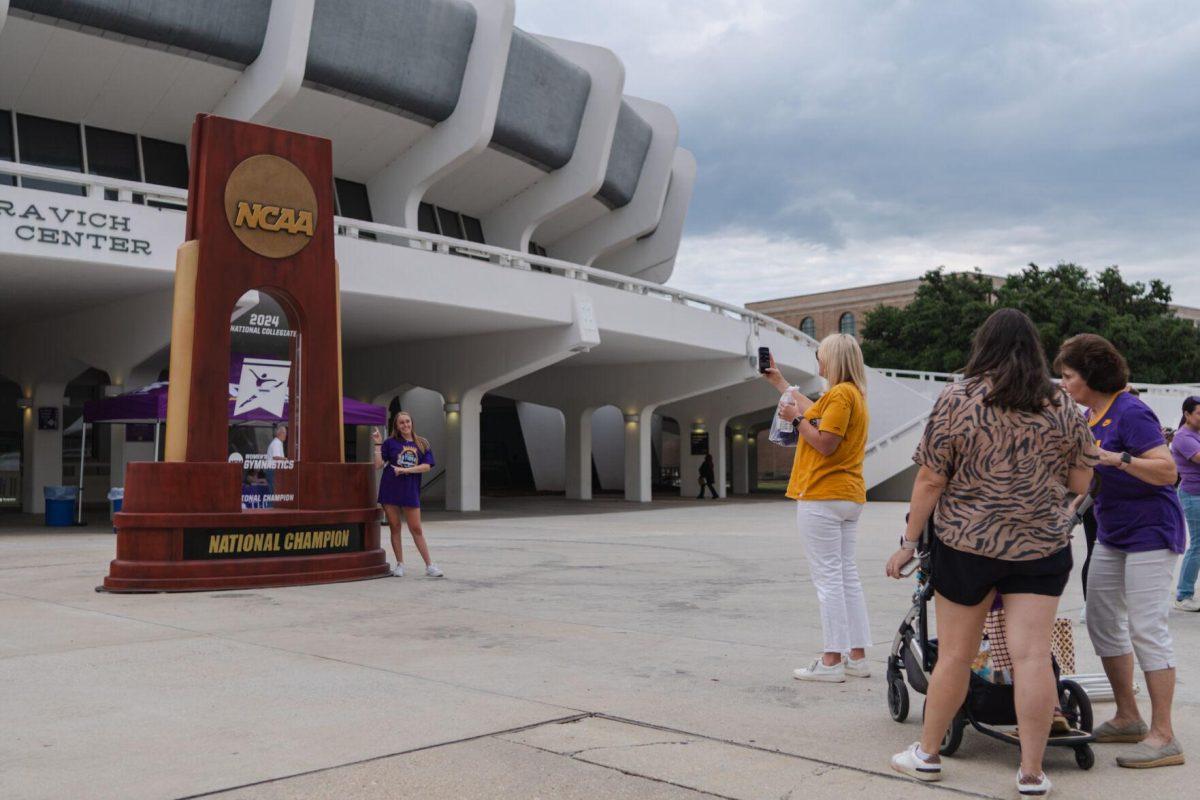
404 458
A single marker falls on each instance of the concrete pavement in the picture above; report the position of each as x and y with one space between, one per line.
613 651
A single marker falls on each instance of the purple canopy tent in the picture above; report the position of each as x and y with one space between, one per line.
149 405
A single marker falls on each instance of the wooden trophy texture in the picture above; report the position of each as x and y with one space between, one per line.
259 217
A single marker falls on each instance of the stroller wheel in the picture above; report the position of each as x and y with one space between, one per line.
1076 706
953 737
1084 757
897 697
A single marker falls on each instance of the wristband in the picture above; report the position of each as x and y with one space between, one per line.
906 543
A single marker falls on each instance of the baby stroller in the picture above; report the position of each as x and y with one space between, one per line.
989 707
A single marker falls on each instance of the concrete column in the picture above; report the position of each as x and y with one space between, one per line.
462 453
621 227
42 457
689 465
719 448
544 430
116 442
397 190
652 257
274 78
638 428
752 446
741 460
579 453
513 222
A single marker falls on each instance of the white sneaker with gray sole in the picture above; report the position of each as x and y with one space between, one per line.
820 672
857 667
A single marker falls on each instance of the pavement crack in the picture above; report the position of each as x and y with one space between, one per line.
829 765
627 746
371 759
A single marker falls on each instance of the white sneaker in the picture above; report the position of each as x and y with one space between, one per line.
910 764
857 667
398 570
432 571
1191 604
819 671
1039 789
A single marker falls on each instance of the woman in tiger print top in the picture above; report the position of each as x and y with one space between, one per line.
1002 452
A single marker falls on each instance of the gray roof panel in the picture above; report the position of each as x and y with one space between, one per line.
630 144
228 29
410 54
541 103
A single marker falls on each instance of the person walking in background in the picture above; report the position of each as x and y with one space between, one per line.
1002 452
1185 449
1139 538
276 451
707 477
404 458
276 459
827 483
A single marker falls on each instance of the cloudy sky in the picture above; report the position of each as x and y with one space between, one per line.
844 143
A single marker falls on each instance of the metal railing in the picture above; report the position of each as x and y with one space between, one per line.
512 259
879 443
93 186
912 374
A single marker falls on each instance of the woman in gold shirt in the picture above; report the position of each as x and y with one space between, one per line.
827 483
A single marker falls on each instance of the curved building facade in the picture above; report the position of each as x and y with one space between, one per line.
507 218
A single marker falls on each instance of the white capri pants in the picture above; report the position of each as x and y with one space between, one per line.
1128 602
830 529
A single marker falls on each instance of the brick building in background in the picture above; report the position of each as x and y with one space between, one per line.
841 310
844 310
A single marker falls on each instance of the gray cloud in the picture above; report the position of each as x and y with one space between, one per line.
875 140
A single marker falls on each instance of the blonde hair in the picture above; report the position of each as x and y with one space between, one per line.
421 441
843 360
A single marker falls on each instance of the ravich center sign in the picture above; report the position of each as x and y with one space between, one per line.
260 219
72 227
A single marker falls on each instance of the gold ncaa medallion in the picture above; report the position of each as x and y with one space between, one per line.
271 206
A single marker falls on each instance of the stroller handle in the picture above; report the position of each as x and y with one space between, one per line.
914 565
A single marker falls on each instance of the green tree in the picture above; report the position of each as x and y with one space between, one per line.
934 331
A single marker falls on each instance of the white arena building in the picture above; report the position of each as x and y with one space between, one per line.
508 220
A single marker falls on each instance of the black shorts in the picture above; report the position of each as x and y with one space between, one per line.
966 578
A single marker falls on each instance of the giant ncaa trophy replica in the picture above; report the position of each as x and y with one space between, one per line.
260 217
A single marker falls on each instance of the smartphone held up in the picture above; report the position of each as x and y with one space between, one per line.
764 359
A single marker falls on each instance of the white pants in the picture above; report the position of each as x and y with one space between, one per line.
1128 602
830 528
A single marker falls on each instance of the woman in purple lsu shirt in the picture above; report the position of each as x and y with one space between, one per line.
1185 447
404 458
1140 534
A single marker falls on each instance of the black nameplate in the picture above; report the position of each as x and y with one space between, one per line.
272 542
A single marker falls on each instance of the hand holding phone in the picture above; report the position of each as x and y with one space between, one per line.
765 362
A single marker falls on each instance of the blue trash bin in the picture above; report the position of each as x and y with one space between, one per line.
116 496
60 505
